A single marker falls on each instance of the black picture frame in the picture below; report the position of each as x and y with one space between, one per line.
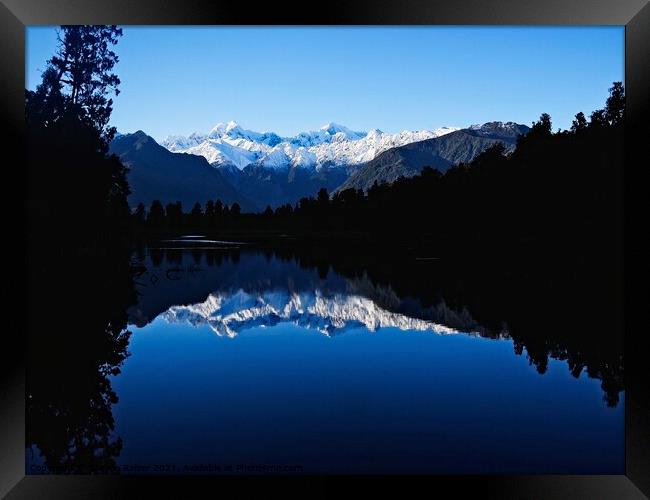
15 15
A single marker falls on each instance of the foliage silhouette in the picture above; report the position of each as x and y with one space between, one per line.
69 370
557 193
78 222
68 134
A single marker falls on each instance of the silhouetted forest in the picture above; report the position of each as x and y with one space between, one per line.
558 192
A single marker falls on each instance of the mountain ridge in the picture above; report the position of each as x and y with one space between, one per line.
264 169
460 146
155 173
332 144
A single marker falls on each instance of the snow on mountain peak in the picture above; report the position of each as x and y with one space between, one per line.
335 129
228 314
332 128
509 127
333 144
228 128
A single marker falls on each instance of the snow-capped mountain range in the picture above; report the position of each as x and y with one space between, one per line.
230 313
228 144
263 169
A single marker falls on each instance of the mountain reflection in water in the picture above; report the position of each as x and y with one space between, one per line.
84 417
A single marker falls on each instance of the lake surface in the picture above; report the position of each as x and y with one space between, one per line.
243 361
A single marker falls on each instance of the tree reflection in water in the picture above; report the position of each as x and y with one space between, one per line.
569 311
548 313
77 340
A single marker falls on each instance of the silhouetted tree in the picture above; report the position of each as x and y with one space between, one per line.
196 216
78 80
67 120
174 216
197 211
140 213
156 216
598 119
323 197
580 122
615 105
284 210
209 210
543 126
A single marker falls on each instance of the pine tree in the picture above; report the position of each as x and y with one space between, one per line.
79 78
156 217
68 135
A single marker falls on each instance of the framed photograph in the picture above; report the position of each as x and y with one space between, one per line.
376 239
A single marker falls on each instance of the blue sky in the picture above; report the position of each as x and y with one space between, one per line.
177 80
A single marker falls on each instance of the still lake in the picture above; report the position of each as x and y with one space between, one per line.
243 360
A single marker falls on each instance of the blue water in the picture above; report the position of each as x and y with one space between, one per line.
390 401
247 362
